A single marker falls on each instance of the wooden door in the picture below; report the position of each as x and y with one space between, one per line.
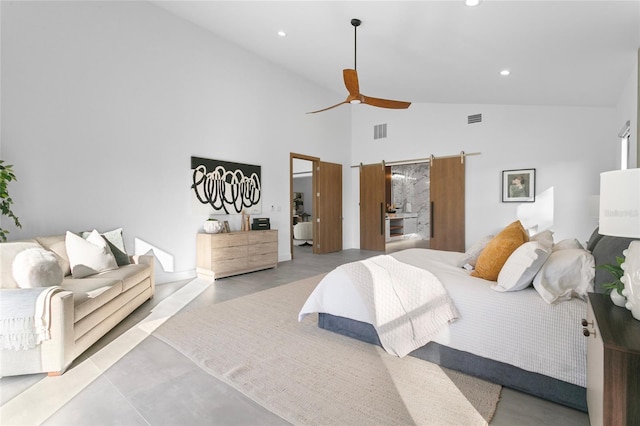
447 204
372 207
328 208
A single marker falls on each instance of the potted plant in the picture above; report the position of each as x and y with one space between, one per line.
614 288
6 175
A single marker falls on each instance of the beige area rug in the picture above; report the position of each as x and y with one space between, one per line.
308 375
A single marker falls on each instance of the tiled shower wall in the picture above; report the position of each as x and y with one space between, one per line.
410 185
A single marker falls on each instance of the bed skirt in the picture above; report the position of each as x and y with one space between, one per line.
501 373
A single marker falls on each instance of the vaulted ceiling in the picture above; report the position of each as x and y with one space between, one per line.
571 52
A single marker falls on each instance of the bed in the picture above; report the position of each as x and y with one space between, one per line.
513 338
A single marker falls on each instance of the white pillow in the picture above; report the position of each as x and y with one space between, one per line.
36 267
544 236
565 274
522 266
471 255
90 256
567 244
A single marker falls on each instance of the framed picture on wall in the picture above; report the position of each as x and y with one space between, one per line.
519 186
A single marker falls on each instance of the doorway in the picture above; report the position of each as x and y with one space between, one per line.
302 204
413 205
318 215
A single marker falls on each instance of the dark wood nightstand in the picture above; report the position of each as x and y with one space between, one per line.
613 363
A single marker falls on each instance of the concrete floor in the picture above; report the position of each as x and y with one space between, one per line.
130 377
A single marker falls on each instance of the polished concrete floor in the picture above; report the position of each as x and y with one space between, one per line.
132 378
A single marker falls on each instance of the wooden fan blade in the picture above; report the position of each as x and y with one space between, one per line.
351 82
324 109
385 103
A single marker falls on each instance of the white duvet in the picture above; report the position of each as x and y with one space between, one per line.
516 328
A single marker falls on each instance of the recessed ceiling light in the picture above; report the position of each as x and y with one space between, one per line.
472 2
282 33
505 72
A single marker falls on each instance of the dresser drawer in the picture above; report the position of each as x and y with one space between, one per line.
228 267
228 240
262 248
231 252
257 237
267 259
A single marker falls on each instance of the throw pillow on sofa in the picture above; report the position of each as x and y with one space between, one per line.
116 244
8 253
90 256
36 267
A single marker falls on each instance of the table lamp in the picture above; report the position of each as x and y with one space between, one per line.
620 217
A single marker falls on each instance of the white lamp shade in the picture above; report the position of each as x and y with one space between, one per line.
620 203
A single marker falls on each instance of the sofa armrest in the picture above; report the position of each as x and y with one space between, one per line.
52 356
146 259
58 352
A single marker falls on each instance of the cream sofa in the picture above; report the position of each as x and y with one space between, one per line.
84 311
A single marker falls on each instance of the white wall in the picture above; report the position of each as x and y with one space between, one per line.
104 103
567 146
627 110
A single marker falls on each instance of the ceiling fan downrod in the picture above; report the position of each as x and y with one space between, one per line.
356 23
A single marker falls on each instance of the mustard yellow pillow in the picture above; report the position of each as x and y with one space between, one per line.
496 253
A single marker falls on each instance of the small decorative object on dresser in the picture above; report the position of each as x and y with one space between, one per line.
615 287
620 217
213 226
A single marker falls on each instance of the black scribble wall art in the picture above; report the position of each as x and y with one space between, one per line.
226 187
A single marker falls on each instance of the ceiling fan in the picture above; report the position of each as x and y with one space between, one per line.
351 82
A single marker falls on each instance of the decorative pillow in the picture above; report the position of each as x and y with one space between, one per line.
496 253
116 245
544 236
8 252
56 245
471 255
90 256
565 274
570 243
36 267
522 266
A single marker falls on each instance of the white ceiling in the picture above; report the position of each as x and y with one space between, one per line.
559 52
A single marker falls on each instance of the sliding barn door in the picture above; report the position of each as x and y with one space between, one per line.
372 207
447 204
328 225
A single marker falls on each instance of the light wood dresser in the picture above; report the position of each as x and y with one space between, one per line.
613 363
233 253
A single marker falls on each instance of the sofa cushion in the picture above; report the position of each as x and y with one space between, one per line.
8 252
57 245
90 293
130 275
36 267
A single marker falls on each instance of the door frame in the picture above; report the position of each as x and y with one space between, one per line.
315 161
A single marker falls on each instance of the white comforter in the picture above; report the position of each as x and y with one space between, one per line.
516 328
